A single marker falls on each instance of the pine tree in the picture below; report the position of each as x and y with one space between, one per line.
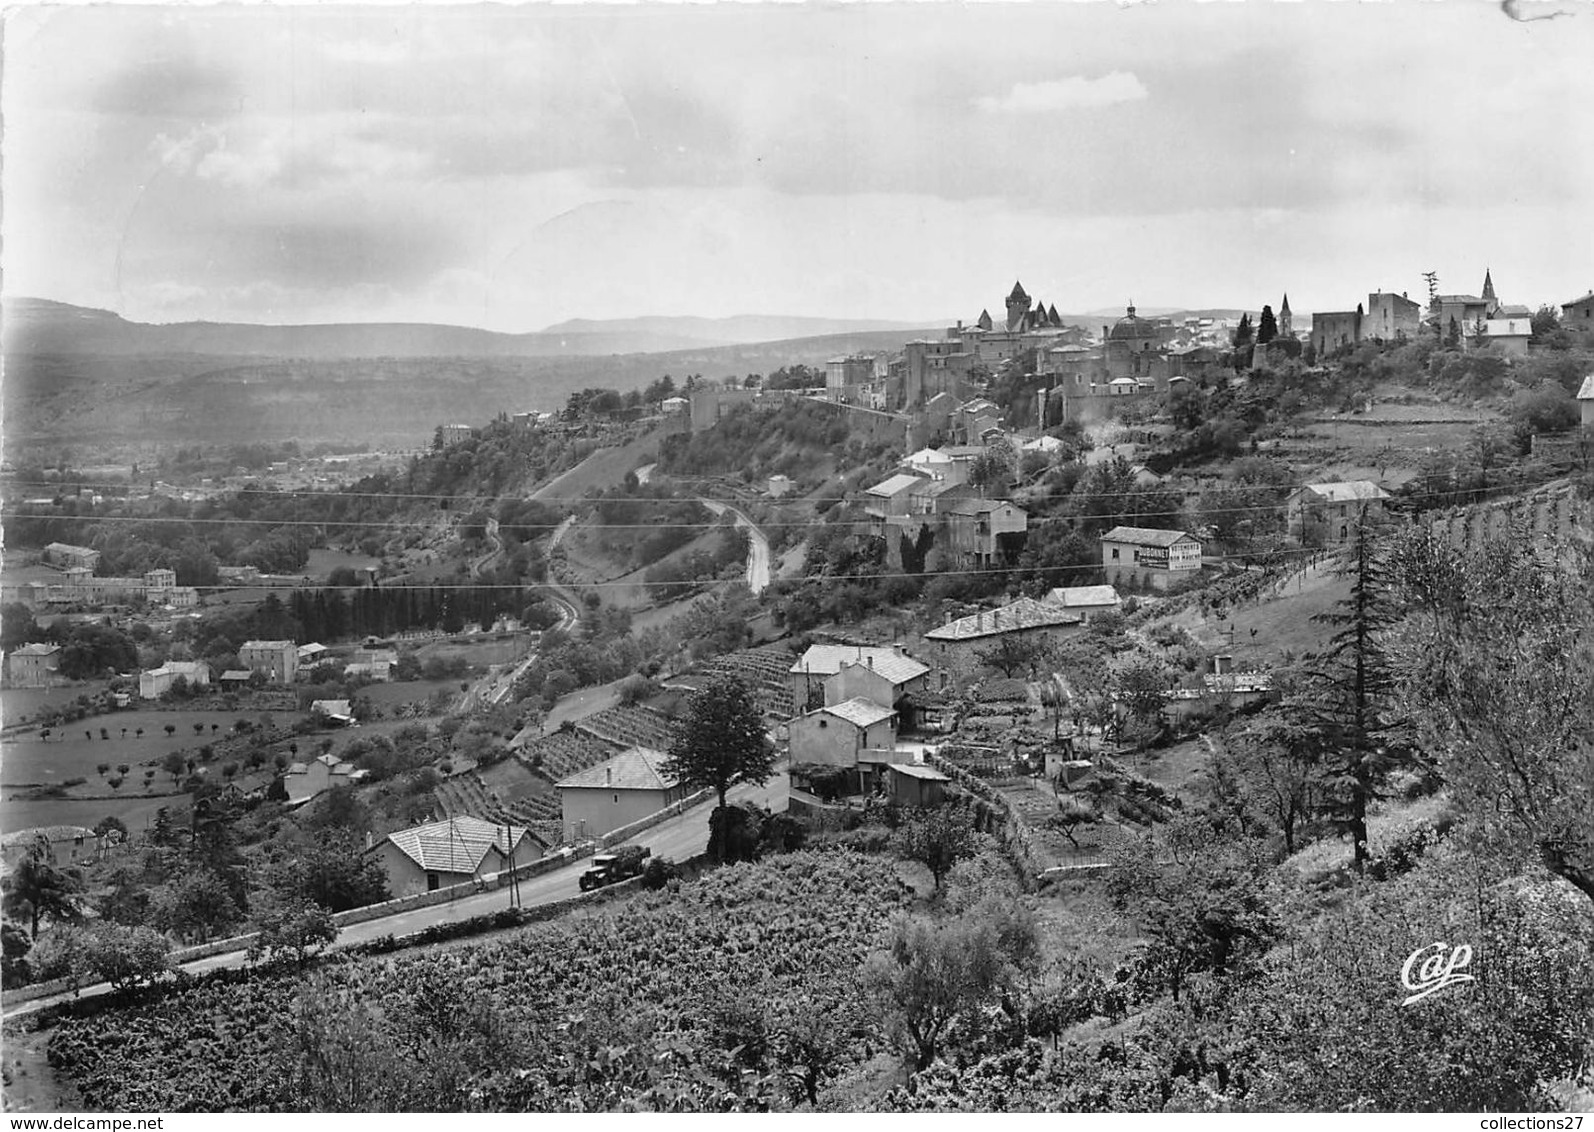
1350 688
1268 328
1242 335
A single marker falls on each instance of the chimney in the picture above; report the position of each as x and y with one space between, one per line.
948 620
996 618
608 776
368 839
979 621
870 660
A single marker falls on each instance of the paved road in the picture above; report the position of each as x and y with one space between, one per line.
679 838
757 546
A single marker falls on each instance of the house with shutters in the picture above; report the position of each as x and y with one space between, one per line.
960 641
438 854
1329 514
819 663
1085 600
1146 556
627 788
33 665
305 780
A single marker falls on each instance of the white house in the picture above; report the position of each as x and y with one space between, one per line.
427 857
1085 600
158 681
1156 557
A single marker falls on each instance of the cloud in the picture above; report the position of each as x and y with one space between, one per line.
1065 94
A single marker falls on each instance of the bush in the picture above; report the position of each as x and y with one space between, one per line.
659 872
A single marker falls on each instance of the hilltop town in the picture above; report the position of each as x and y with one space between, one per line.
1086 666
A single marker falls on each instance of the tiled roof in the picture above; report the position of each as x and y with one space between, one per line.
1144 536
1070 597
37 649
859 711
898 669
980 506
636 768
53 833
1025 613
1508 327
457 845
894 485
826 660
269 645
1353 491
1579 299
934 489
331 707
238 674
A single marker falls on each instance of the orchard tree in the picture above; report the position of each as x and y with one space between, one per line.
721 742
937 839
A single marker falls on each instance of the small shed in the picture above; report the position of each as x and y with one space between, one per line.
912 785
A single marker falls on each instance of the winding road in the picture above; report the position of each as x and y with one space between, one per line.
757 546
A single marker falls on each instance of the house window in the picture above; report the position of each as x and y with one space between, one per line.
1344 531
431 882
1115 554
617 799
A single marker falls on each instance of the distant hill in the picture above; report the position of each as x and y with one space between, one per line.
737 330
1178 314
79 379
42 326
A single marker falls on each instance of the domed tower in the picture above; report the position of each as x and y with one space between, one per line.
1017 307
1129 337
1284 319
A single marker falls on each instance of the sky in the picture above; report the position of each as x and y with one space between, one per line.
510 167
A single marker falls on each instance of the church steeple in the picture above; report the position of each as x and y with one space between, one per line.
1488 287
1284 318
1017 307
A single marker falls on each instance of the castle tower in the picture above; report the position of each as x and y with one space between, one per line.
1284 318
1017 307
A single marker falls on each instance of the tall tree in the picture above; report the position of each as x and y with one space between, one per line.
722 741
1243 333
37 887
1497 667
1268 328
1349 694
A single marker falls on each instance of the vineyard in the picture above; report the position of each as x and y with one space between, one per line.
628 726
767 669
1547 517
648 1005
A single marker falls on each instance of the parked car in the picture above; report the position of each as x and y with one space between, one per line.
610 868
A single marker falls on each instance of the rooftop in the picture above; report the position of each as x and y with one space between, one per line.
858 711
1586 390
1354 491
1025 613
1073 597
1144 536
826 660
269 645
52 833
893 486
897 668
923 773
635 768
457 845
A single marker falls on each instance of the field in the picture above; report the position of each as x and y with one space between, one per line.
68 754
636 1006
17 704
324 560
478 653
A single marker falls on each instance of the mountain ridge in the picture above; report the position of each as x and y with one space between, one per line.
48 326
